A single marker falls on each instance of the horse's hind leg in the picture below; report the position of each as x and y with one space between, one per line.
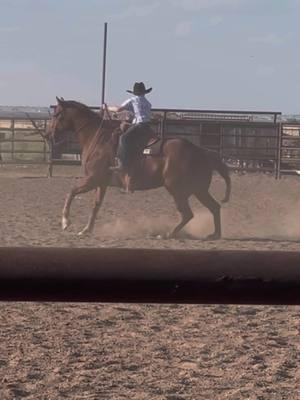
214 207
182 204
85 185
100 193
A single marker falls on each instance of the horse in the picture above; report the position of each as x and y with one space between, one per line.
183 168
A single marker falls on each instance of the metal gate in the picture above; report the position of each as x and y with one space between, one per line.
290 148
246 140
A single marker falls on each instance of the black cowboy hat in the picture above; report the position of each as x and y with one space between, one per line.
139 88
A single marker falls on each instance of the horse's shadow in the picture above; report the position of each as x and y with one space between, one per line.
263 239
187 236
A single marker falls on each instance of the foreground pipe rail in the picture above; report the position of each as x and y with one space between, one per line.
143 275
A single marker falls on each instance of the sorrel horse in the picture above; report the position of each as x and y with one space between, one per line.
182 168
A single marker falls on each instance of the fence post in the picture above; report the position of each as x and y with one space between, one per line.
221 141
163 126
200 134
50 163
12 139
44 144
279 145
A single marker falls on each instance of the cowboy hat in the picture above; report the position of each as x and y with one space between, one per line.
139 88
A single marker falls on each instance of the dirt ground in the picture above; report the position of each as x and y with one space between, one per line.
145 351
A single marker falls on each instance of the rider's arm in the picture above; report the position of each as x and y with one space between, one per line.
126 106
114 108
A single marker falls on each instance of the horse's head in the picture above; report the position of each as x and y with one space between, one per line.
61 121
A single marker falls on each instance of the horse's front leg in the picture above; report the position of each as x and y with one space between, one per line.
85 185
100 193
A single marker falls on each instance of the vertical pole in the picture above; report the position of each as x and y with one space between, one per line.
200 134
104 63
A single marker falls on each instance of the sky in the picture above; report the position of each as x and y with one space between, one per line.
201 54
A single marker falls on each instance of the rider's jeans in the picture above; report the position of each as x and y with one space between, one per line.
132 142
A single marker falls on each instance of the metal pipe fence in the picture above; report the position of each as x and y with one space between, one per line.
21 142
246 140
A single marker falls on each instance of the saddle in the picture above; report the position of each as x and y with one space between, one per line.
129 182
154 145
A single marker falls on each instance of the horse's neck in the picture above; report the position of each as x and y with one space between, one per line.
86 130
96 135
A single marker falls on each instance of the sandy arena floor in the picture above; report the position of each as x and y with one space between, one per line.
153 352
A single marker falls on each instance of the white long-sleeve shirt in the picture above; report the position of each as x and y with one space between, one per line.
140 107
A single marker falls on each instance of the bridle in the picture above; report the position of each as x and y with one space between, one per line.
98 132
86 123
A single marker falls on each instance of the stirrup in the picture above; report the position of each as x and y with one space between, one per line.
118 166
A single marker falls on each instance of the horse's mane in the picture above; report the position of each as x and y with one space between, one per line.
82 107
108 126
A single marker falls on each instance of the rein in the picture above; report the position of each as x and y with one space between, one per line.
101 123
84 125
107 112
97 133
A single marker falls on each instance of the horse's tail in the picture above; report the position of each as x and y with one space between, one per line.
219 166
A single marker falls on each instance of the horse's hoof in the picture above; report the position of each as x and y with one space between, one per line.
65 223
162 236
213 236
84 232
169 235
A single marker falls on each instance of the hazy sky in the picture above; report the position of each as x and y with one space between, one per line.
221 54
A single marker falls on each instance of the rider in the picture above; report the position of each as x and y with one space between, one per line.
136 137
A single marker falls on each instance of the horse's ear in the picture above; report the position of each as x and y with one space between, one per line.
59 100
